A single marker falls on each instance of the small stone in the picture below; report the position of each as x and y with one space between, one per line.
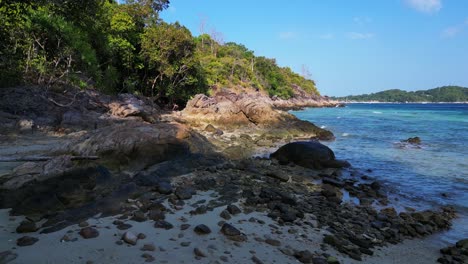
185 243
129 238
83 224
148 247
164 188
233 209
198 252
65 238
184 193
229 230
332 260
184 226
202 229
148 257
304 256
124 226
319 260
26 241
119 242
139 216
256 260
141 236
89 232
26 227
156 214
273 242
163 224
225 214
7 256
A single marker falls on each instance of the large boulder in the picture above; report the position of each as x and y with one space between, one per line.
137 145
309 154
129 105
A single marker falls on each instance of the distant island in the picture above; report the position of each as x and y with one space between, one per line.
450 94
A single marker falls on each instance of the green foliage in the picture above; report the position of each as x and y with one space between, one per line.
127 48
440 94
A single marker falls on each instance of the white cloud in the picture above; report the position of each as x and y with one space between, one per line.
287 35
453 31
425 6
358 35
362 20
327 36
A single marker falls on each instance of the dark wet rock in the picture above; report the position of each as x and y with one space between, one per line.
148 257
164 187
27 227
141 236
456 254
199 253
309 154
273 242
229 230
163 224
375 185
202 209
202 229
334 182
124 226
185 243
225 214
413 140
148 247
273 194
184 226
156 215
184 193
7 256
278 175
26 241
318 260
256 260
139 216
89 232
233 209
304 256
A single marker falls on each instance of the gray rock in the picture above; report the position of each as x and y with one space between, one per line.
130 238
7 256
163 224
229 230
89 232
202 229
233 209
26 227
198 252
26 241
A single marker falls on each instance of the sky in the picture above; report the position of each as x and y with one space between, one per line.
348 46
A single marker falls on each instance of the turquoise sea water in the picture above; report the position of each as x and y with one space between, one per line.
369 136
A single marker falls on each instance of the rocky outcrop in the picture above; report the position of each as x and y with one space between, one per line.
137 145
301 99
308 154
129 105
254 112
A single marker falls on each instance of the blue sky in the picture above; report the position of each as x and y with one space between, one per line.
349 46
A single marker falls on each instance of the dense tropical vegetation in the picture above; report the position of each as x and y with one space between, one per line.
127 48
440 94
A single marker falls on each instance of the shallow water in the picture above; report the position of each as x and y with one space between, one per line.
434 173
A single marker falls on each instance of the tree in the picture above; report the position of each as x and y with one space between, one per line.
173 70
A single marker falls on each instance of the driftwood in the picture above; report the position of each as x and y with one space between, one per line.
45 158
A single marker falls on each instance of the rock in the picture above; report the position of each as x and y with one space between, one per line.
462 243
337 183
332 260
256 260
184 193
413 140
27 227
210 128
7 256
225 214
141 236
148 257
278 175
124 226
318 260
309 154
163 224
184 226
202 229
164 187
304 256
156 214
148 247
198 252
185 243
273 242
89 232
130 238
139 216
26 241
229 230
129 105
233 209
83 224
